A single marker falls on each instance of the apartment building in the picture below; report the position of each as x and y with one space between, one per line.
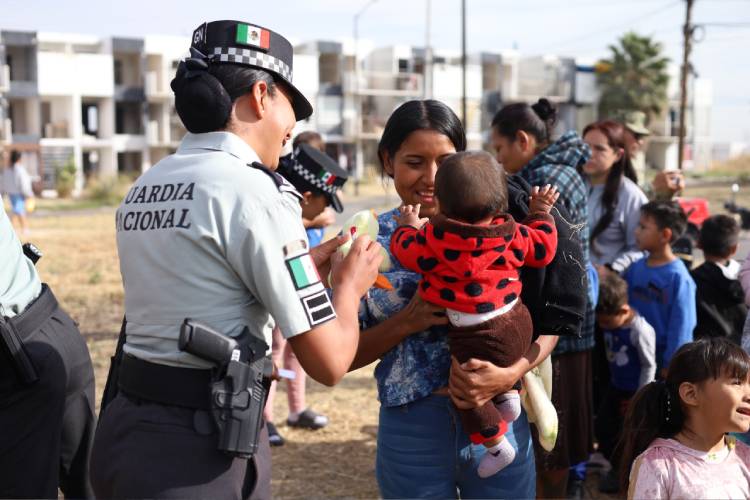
105 104
83 99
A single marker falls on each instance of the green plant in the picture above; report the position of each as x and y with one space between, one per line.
108 190
65 178
634 77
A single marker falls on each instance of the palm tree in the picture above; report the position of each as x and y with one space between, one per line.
634 77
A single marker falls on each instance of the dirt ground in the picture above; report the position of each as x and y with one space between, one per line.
80 263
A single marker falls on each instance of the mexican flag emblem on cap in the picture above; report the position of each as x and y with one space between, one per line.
327 178
252 35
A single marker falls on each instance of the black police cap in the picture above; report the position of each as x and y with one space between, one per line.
314 170
238 42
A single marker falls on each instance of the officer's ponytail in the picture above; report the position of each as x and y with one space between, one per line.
204 92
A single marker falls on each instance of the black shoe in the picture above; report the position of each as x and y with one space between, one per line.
273 435
308 419
609 483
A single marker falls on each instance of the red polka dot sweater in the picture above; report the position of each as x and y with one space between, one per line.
474 268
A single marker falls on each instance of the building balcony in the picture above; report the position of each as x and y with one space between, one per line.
384 84
56 130
21 138
21 89
554 90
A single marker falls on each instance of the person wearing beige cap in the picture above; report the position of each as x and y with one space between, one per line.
635 138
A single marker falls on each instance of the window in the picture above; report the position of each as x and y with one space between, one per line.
90 115
9 62
118 72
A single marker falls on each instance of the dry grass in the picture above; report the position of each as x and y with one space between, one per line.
738 166
80 264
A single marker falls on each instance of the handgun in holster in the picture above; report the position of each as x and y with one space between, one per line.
239 386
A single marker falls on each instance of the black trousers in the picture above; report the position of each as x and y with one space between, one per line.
144 449
47 428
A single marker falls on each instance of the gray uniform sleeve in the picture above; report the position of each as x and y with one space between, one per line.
643 337
270 254
632 210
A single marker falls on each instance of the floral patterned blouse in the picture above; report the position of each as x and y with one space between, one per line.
420 363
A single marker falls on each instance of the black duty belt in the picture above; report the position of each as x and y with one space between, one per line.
169 385
35 314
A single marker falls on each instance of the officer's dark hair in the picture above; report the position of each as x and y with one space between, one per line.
613 294
667 215
419 115
537 120
310 137
471 186
719 234
15 156
203 98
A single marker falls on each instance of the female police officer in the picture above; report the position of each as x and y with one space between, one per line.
212 234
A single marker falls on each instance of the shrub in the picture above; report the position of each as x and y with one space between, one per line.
65 178
108 190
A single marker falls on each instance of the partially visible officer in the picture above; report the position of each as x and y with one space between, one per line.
212 233
47 417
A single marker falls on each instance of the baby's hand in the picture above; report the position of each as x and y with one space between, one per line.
542 199
409 216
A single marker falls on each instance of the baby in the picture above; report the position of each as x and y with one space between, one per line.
469 255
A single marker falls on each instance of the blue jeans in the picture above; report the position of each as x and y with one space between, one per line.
423 452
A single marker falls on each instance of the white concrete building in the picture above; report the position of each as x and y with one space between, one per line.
106 105
82 99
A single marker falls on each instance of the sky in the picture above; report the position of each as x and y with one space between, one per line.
563 27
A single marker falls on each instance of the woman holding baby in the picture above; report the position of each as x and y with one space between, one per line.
423 449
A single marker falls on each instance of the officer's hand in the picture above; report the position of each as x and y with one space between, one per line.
356 272
321 254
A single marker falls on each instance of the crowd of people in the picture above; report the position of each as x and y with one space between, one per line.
547 247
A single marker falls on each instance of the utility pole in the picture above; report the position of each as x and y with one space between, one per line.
359 164
427 90
463 62
687 32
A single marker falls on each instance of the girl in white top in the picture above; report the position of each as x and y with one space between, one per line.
676 430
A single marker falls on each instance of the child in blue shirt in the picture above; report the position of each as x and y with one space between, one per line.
659 285
630 344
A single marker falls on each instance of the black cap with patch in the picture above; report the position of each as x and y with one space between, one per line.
310 169
238 42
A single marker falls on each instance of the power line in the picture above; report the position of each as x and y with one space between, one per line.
725 25
608 29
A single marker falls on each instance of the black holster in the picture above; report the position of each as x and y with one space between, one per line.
237 402
235 391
